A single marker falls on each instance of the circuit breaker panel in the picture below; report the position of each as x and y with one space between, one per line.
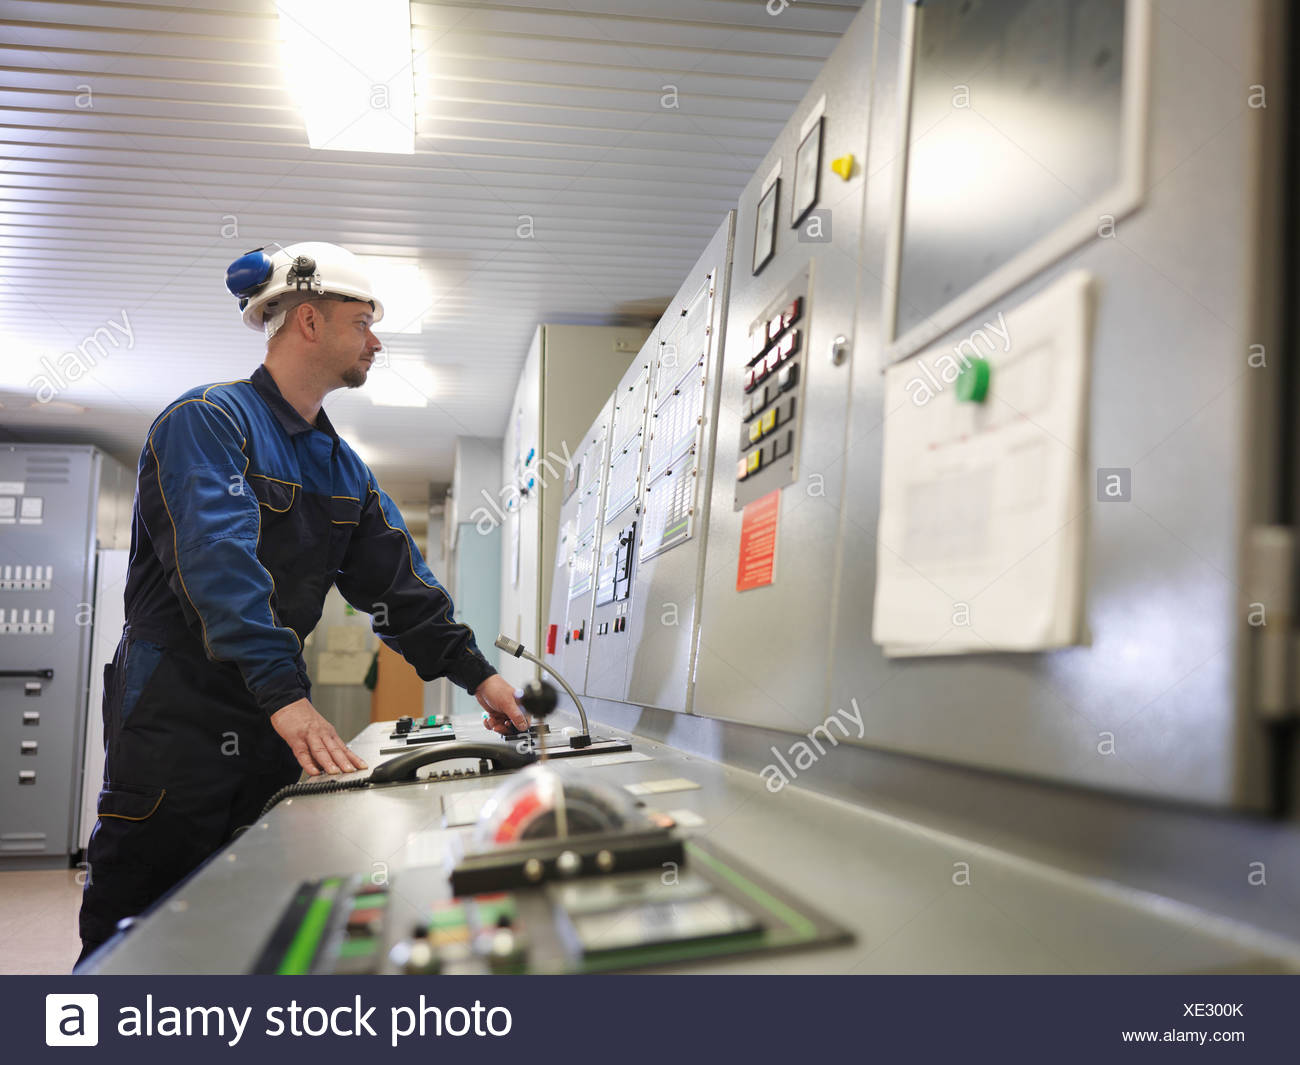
568 635
57 504
663 615
617 535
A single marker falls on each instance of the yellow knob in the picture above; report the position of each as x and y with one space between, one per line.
843 166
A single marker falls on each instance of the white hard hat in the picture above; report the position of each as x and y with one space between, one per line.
269 285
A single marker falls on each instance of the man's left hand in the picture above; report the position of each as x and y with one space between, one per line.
497 697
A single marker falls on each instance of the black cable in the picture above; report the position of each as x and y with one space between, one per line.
308 788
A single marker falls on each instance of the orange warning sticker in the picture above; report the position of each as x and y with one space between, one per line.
758 542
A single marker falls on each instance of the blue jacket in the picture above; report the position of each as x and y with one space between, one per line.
246 515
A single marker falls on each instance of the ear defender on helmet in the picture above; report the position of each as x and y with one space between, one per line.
247 274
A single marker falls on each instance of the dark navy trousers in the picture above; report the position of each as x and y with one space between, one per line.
189 760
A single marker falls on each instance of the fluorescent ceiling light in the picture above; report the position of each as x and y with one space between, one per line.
404 291
349 65
56 406
399 384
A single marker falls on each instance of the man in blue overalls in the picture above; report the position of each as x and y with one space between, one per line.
248 509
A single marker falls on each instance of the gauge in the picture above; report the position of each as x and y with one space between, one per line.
545 803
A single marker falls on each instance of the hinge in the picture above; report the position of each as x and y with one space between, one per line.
1270 600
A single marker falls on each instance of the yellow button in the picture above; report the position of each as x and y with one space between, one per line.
755 459
756 430
843 166
769 421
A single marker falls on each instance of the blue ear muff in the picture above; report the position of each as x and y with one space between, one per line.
249 273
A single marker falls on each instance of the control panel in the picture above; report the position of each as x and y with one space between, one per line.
333 925
771 406
559 871
573 589
620 520
412 732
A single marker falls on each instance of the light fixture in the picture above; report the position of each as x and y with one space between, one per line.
399 384
349 65
404 290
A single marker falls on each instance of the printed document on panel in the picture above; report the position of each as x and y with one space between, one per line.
984 494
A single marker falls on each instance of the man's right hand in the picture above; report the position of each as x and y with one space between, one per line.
313 740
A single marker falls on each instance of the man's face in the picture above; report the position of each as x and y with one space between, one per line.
349 346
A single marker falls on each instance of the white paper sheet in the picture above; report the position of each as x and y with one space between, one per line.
984 506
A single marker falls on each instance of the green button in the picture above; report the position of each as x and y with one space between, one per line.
491 912
973 382
448 917
358 947
365 902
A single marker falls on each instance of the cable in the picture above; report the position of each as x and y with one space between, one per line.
307 788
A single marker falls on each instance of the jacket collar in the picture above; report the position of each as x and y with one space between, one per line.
290 420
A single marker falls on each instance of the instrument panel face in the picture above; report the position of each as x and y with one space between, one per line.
712 907
771 404
573 585
616 537
662 616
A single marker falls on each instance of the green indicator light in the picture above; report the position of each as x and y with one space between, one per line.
298 958
451 917
357 948
973 382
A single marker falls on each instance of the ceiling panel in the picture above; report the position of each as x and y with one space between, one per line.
126 205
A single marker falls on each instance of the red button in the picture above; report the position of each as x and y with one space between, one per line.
792 312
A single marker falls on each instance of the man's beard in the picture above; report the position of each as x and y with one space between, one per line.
355 376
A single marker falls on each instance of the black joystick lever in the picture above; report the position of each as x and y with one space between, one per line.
517 649
539 699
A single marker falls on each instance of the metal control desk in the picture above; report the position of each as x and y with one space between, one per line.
917 901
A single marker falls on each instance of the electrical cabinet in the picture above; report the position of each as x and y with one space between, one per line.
566 376
58 504
616 538
783 404
566 640
1157 699
887 233
661 620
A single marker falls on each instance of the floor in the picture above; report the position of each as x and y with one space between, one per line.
38 921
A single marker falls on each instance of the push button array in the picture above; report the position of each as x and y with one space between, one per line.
768 407
769 363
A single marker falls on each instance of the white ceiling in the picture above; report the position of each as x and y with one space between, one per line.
551 110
